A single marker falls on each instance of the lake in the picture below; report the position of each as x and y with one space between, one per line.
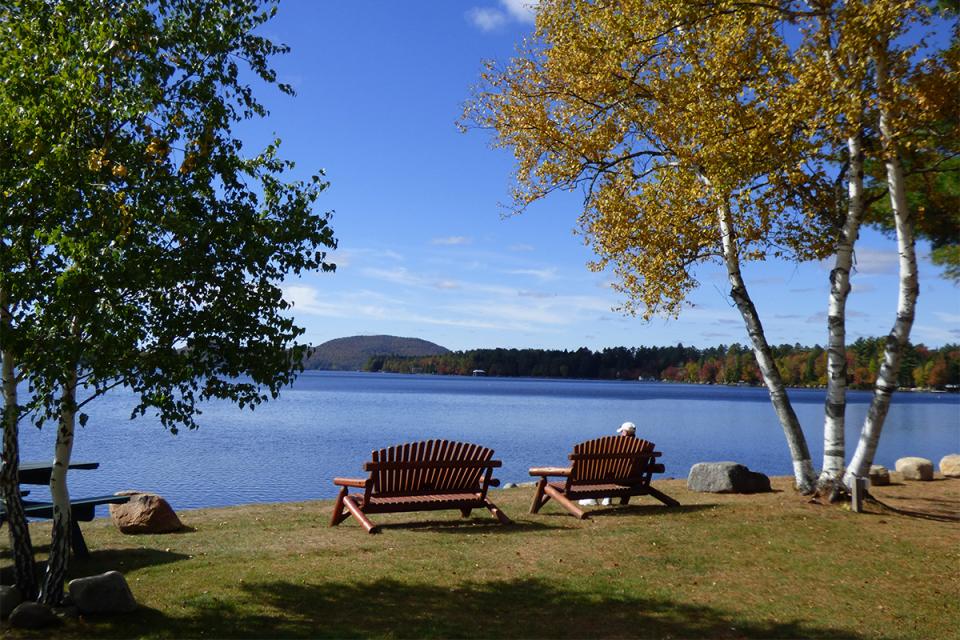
327 424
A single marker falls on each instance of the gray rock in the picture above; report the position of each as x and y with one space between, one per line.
950 465
726 477
9 599
879 476
32 615
913 468
510 485
105 593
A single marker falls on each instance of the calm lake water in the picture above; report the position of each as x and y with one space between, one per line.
327 424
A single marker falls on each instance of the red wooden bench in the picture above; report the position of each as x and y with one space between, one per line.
420 476
608 467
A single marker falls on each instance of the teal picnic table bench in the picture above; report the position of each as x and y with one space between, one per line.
81 509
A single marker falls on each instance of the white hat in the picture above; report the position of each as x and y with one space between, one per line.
627 427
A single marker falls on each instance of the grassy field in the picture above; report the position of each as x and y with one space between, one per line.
724 566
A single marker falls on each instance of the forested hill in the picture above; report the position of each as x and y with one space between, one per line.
800 366
353 353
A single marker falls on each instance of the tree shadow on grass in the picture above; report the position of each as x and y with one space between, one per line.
525 608
99 561
648 509
469 527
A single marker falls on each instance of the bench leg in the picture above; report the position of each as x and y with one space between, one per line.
495 510
625 500
465 512
538 498
361 517
77 543
574 510
662 497
338 514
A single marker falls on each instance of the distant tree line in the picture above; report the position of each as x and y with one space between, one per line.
800 366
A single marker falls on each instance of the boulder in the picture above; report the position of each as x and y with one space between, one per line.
105 593
32 615
726 477
913 468
879 476
9 599
144 513
950 465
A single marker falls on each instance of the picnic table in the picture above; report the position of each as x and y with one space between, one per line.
81 509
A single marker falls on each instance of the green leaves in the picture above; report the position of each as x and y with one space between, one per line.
142 245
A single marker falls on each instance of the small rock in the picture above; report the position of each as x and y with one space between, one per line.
879 476
913 468
32 615
144 513
105 593
950 465
726 477
9 599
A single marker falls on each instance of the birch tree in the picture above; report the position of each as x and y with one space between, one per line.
168 244
667 116
912 96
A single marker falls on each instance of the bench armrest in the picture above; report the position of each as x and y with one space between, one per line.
494 482
550 471
359 483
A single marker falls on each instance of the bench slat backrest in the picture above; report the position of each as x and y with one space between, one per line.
430 466
611 459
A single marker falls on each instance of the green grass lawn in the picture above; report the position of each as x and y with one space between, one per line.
770 565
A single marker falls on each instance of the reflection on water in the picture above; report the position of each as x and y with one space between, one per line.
328 423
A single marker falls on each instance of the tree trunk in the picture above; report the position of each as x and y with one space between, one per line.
52 591
909 289
834 453
23 571
802 466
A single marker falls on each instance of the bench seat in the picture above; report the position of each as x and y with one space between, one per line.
432 475
81 510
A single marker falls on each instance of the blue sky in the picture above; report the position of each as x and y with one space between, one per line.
424 249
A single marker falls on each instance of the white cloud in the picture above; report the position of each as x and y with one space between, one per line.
521 10
542 274
451 240
486 19
492 18
873 261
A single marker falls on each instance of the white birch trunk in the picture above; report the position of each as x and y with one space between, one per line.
802 466
834 453
909 289
16 520
52 591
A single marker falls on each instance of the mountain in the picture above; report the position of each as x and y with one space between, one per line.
351 354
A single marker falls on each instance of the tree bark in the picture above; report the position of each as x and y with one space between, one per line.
16 520
834 447
909 289
52 590
803 472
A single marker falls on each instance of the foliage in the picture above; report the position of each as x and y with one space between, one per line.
352 353
637 104
164 243
735 364
141 245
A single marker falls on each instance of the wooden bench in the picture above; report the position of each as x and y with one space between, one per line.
608 467
420 476
83 509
